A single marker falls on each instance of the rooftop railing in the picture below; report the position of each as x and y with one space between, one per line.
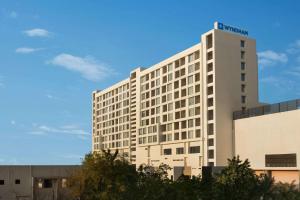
267 109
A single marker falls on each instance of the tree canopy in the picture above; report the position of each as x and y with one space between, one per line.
108 176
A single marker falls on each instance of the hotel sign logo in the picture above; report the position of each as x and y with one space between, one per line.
224 27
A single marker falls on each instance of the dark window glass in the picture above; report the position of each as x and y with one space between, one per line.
281 160
167 151
17 181
1 182
47 183
180 150
243 77
243 65
242 43
195 149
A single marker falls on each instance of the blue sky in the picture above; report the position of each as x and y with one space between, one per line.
55 53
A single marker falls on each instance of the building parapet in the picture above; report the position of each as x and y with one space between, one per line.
267 109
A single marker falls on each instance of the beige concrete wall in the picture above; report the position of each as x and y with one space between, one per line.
10 190
227 87
26 174
277 133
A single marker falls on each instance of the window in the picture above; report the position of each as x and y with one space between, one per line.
180 150
211 154
210 129
155 138
176 136
210 115
183 135
157 73
191 112
191 57
242 54
209 67
243 77
169 137
170 77
64 181
47 183
191 101
242 43
209 41
190 134
190 90
243 87
190 123
243 99
2 182
209 55
281 160
167 151
17 181
190 80
243 65
195 149
198 133
170 67
210 142
190 69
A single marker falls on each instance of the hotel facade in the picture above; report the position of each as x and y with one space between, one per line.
180 111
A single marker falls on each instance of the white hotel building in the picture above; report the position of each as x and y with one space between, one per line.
180 110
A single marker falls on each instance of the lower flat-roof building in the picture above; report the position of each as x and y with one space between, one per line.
269 136
36 182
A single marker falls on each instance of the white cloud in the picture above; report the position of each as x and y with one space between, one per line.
13 122
269 58
294 71
49 96
13 14
26 50
67 129
294 47
37 32
279 82
63 130
52 97
88 67
37 133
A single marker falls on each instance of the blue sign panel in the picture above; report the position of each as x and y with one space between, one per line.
228 28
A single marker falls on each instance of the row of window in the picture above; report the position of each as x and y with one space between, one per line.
116 144
169 77
17 181
190 134
170 67
243 74
210 91
112 93
191 101
181 150
190 112
149 139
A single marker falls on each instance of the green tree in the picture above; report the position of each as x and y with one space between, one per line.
154 184
104 176
237 181
283 191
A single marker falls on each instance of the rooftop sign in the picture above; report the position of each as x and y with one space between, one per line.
224 27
